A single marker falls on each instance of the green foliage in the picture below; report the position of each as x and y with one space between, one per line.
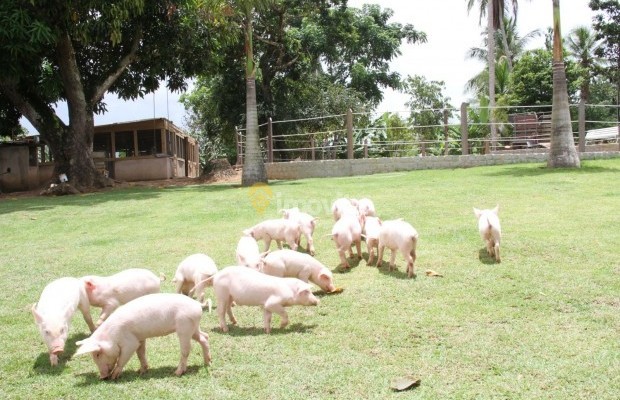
532 79
427 104
542 324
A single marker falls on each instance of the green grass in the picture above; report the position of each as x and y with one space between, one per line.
543 324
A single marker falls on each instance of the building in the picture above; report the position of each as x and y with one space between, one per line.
142 150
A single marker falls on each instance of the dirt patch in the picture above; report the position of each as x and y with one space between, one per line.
215 177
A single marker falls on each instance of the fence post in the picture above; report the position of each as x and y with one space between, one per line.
423 148
464 132
446 149
582 125
239 147
350 134
269 140
365 148
312 146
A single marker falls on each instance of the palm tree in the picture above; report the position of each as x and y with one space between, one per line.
494 10
562 152
582 45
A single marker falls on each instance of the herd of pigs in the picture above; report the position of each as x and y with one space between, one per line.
133 309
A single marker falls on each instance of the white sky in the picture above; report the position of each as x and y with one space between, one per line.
450 31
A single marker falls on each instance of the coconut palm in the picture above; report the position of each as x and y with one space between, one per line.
582 46
493 9
562 152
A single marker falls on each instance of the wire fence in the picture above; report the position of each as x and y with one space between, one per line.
446 132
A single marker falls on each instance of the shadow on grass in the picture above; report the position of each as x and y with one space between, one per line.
384 268
531 171
354 262
485 258
163 372
236 331
42 362
9 204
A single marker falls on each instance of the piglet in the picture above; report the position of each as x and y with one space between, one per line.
247 253
126 330
193 269
247 287
55 309
346 232
490 230
110 292
339 206
398 235
293 264
372 227
280 230
366 207
306 222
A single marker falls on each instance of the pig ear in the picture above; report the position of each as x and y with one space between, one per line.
37 316
323 276
241 259
87 346
477 212
89 285
264 254
496 209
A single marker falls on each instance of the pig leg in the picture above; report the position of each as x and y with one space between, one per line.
53 359
267 320
358 246
380 249
292 244
267 243
273 306
141 353
310 241
392 259
178 285
279 243
127 350
84 306
410 258
496 249
186 346
203 339
222 309
343 259
105 312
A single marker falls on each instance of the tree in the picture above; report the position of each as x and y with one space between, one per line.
77 51
494 10
607 28
582 45
562 151
427 105
314 57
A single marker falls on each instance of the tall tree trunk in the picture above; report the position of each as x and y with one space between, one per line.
505 45
254 170
562 152
491 61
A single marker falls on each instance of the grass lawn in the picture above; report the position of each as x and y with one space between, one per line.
543 324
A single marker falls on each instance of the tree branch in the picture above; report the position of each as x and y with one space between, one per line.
130 57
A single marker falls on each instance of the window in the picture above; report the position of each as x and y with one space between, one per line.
149 142
124 144
102 142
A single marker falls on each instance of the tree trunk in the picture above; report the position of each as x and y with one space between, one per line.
491 61
254 170
562 152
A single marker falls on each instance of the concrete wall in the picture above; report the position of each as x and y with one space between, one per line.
15 158
142 169
367 166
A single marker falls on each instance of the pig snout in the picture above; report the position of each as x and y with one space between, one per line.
57 350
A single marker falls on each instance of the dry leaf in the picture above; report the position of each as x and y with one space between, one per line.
404 383
430 272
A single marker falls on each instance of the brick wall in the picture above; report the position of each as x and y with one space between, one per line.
367 166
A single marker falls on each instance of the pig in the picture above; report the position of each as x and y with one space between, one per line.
490 230
398 235
366 207
348 231
109 292
372 227
306 222
193 269
54 311
341 205
247 253
276 229
293 264
126 330
247 287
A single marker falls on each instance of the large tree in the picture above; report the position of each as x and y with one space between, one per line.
562 151
582 46
607 28
314 57
56 50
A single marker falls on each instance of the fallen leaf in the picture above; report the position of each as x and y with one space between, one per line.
404 383
336 290
430 272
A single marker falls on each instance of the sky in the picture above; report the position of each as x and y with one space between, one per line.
450 31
